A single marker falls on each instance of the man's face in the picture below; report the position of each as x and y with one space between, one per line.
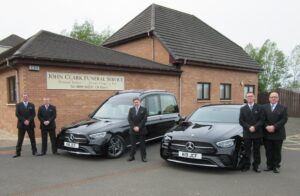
274 98
46 101
250 98
25 98
136 103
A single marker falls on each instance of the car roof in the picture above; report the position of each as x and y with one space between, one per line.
142 91
225 105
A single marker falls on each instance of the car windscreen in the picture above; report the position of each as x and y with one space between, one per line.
116 107
216 115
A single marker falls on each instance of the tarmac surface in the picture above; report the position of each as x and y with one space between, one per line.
67 174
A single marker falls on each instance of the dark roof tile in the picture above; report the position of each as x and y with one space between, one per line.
185 37
11 41
49 46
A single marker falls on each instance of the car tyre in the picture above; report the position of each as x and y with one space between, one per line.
239 156
116 146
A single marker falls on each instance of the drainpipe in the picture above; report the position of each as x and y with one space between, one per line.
153 57
17 78
180 86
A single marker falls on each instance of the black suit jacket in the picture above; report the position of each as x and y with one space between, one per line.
138 119
278 118
47 115
250 118
24 113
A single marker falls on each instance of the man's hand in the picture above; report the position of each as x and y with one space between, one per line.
136 129
46 123
26 122
270 128
252 129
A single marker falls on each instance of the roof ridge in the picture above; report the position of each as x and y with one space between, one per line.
26 43
152 25
172 9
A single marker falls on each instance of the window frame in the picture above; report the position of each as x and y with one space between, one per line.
203 90
223 94
248 87
11 89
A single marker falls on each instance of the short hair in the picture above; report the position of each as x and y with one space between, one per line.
250 92
136 98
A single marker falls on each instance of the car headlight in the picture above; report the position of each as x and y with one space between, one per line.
167 138
225 143
98 135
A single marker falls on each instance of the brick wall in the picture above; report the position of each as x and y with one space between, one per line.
7 111
73 104
193 74
149 48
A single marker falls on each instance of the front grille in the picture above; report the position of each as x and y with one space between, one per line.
200 147
75 138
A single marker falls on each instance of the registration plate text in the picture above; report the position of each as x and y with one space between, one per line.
71 145
190 155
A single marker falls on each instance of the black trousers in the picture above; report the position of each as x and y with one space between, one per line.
21 134
249 145
44 133
133 139
273 152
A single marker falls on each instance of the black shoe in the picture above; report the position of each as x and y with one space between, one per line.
42 154
56 153
131 159
144 159
256 169
276 170
268 169
244 169
16 155
34 153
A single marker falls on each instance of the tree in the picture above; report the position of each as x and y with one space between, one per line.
85 32
294 66
273 62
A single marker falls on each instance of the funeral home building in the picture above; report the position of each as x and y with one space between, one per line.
160 48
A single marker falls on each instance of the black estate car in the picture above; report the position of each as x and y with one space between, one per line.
106 131
211 136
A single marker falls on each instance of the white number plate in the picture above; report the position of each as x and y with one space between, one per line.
190 155
71 145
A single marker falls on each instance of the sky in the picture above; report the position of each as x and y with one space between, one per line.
242 21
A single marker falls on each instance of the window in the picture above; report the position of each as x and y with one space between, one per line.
12 92
153 105
249 88
225 91
168 104
203 91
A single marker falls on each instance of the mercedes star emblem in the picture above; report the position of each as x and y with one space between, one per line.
190 146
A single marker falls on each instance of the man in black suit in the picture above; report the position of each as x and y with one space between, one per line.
47 116
25 113
251 119
137 118
275 118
